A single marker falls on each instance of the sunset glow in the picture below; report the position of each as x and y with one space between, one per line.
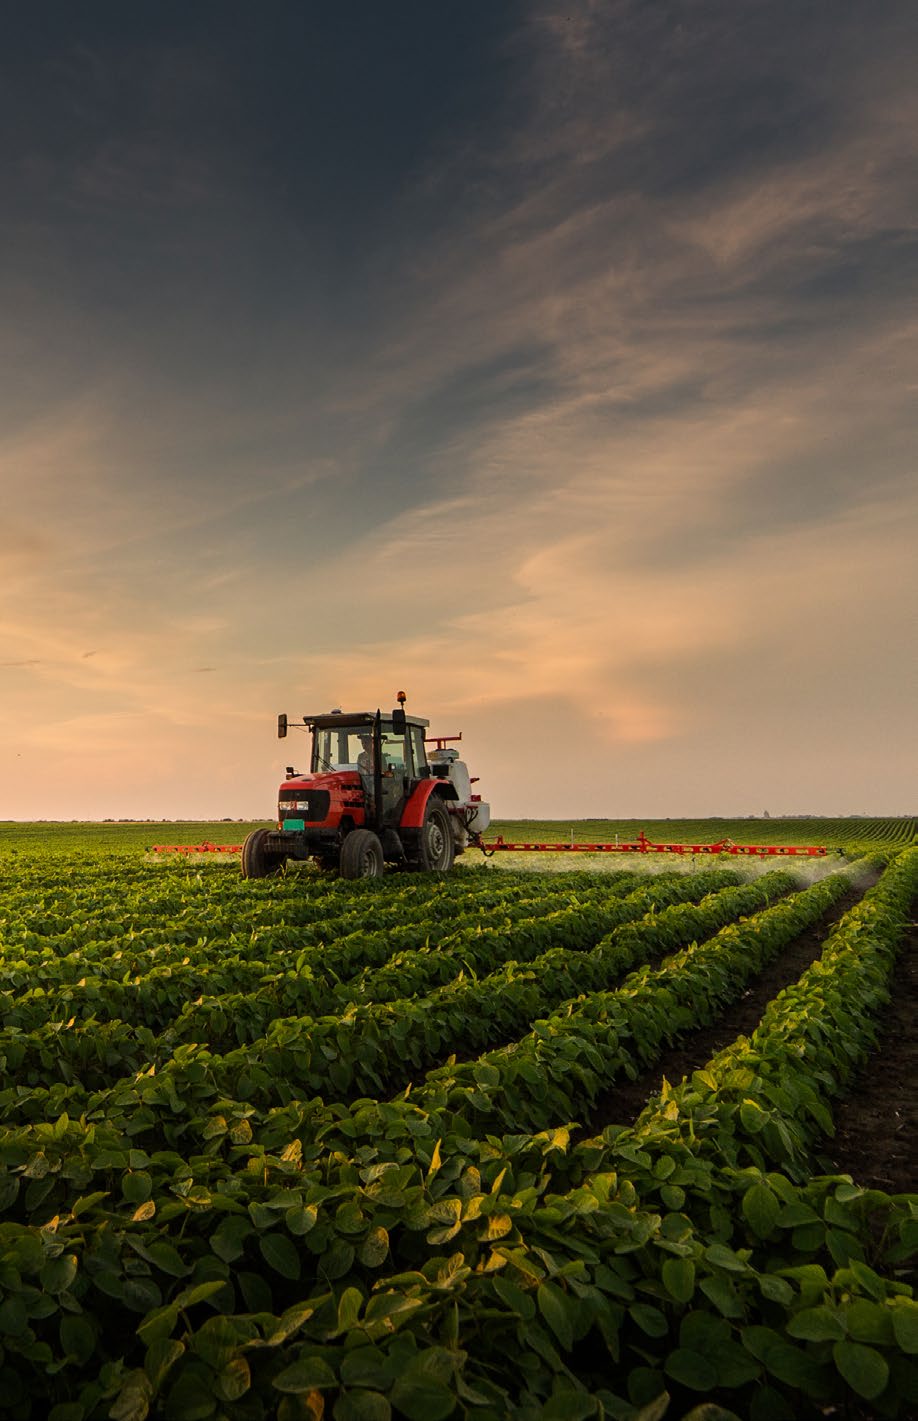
557 364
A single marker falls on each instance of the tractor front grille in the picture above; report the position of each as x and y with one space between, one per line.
310 805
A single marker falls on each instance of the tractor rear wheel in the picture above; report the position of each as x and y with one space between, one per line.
435 845
256 861
361 855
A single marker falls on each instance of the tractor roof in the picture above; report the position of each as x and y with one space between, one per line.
331 720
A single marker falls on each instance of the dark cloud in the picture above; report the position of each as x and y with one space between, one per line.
210 212
572 336
198 198
861 277
318 115
431 442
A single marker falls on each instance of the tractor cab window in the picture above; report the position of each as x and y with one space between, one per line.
418 753
351 748
340 748
393 751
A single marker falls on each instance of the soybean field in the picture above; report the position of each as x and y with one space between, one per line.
502 1143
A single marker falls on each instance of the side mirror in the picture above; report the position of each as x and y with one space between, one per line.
281 727
399 723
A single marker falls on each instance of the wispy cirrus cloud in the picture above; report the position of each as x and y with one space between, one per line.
596 420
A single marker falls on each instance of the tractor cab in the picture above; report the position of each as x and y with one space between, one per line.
372 796
386 754
351 742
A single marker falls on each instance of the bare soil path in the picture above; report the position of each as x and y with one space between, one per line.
623 1103
876 1125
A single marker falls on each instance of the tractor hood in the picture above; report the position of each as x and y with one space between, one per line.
320 800
326 780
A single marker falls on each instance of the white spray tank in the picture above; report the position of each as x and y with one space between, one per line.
470 813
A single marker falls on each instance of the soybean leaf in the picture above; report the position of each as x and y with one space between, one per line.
679 1278
691 1369
308 1374
279 1252
864 1369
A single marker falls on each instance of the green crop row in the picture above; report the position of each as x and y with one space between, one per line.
397 972
215 899
322 958
558 1071
577 927
811 1039
218 1103
120 950
468 1015
840 1318
299 1053
378 1047
444 1280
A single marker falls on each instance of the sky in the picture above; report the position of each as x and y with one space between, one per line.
557 364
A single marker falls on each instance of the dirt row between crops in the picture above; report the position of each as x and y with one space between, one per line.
876 1125
623 1103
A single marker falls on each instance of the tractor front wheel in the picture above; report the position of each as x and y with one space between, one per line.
256 861
435 845
361 855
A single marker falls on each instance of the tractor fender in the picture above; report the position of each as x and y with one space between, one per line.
416 805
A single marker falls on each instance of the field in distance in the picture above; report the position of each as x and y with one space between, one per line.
137 836
830 832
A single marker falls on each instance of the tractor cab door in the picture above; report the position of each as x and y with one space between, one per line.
419 766
396 772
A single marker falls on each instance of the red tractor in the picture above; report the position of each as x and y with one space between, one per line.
374 795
